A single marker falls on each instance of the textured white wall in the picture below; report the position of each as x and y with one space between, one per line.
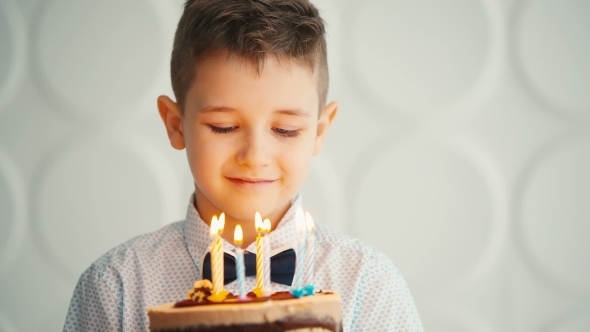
462 150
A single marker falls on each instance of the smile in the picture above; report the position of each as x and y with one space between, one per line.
251 183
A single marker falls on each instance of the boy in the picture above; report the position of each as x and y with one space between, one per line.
250 79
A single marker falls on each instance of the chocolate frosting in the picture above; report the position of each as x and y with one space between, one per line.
250 298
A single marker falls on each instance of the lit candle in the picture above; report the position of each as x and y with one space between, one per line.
217 226
214 232
296 286
266 287
310 255
218 294
259 256
240 266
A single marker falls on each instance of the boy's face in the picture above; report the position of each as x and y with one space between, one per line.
249 137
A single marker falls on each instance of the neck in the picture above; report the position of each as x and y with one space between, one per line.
249 232
247 228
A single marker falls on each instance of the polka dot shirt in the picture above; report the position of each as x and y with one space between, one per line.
114 293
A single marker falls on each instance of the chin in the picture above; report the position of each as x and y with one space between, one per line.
246 207
244 214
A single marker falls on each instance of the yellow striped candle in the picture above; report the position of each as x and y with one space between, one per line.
259 256
266 286
217 226
214 232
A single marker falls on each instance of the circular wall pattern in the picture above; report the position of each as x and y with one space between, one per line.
6 325
12 212
421 56
12 52
575 324
449 317
555 56
432 209
554 213
6 211
6 56
96 194
98 58
54 319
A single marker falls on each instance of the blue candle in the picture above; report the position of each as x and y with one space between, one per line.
240 266
241 274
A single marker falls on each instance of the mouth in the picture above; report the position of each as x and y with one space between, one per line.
252 183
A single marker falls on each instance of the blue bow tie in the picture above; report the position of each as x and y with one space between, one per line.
282 267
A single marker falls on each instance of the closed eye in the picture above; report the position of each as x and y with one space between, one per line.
222 130
286 133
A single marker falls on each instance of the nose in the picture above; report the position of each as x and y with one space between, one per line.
255 150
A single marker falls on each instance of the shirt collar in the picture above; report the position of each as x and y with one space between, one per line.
198 241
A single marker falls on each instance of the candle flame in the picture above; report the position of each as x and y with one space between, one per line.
258 222
238 235
309 222
221 222
266 225
300 220
213 230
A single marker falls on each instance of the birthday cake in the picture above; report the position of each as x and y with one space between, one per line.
209 307
279 312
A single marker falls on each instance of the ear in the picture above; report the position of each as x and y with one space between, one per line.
172 117
326 118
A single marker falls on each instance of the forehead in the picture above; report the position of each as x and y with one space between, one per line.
230 81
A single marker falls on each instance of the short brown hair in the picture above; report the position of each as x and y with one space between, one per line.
252 30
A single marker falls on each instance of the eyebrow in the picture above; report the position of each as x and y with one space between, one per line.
217 109
295 112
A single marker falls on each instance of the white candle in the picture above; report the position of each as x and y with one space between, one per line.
296 286
310 255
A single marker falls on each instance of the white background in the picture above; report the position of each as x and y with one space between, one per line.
462 150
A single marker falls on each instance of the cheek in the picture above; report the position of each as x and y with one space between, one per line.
205 156
296 163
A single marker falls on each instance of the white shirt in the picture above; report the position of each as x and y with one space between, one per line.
114 293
